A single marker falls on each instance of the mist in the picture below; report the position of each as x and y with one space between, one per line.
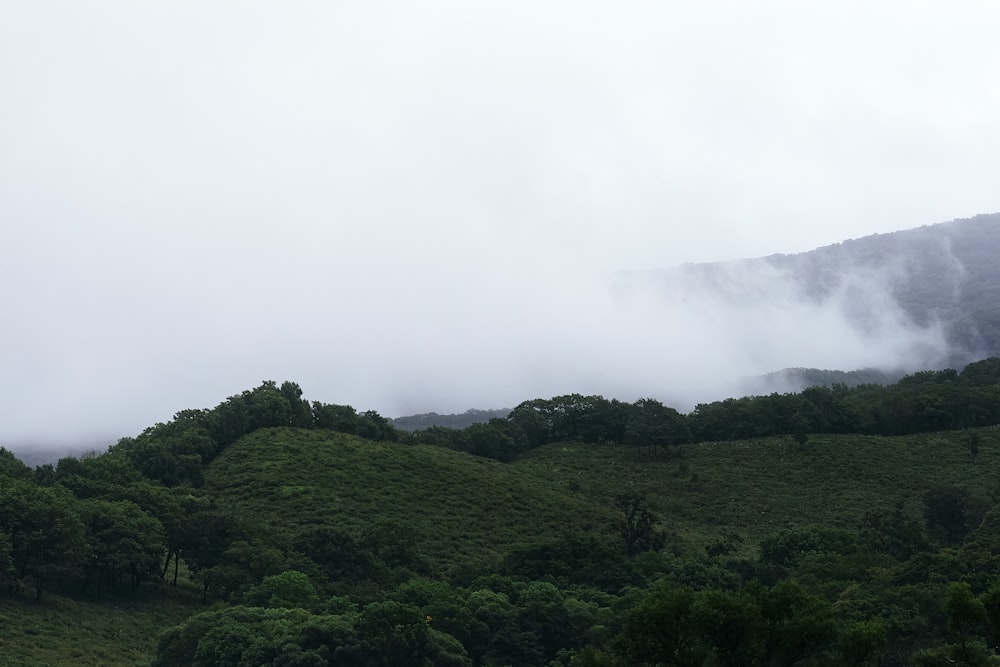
445 338
434 209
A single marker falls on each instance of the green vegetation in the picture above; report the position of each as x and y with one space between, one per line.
835 526
61 630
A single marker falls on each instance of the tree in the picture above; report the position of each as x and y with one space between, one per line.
731 625
972 443
637 524
655 426
11 466
966 613
123 540
893 532
951 512
47 538
290 589
797 625
662 629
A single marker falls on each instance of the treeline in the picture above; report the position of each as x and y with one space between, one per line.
175 453
101 523
913 585
918 403
904 586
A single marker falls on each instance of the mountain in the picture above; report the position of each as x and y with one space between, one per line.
460 420
944 273
929 296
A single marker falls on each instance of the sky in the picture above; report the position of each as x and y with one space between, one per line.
414 207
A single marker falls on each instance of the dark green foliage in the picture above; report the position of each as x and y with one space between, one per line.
320 546
893 532
951 512
573 559
455 421
124 542
637 524
11 467
785 548
290 590
43 532
383 634
654 426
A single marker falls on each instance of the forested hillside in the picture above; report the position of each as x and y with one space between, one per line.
941 277
946 272
468 418
841 525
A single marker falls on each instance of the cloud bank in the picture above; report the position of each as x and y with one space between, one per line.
425 208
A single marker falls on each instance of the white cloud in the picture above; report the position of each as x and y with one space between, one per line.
417 207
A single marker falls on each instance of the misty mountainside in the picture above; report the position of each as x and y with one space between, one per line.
929 296
459 420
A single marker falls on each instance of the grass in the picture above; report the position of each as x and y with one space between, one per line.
466 511
58 631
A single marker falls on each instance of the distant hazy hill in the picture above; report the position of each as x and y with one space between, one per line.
938 278
461 420
947 272
799 378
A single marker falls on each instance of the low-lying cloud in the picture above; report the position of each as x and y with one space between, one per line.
409 207
439 336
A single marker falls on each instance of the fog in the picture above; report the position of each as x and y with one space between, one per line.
440 207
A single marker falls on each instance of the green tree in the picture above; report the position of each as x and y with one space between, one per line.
860 644
12 467
966 613
797 625
662 630
951 512
637 524
654 426
47 538
290 589
731 625
123 541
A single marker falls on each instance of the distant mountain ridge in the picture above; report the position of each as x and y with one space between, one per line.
947 272
943 275
460 420
939 284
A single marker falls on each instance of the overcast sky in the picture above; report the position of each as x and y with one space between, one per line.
416 206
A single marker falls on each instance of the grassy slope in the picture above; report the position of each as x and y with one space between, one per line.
60 631
469 511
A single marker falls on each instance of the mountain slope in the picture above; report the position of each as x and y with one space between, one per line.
925 298
465 513
946 272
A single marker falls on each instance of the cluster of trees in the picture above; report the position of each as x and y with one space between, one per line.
647 424
918 403
176 452
899 588
910 585
87 525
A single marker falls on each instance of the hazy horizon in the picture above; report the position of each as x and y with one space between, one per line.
430 208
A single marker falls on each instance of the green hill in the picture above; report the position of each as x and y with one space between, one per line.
466 511
576 531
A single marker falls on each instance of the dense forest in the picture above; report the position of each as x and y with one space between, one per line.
834 526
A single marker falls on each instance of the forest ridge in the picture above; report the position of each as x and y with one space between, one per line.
577 530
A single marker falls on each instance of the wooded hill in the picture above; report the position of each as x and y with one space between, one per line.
835 526
945 273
